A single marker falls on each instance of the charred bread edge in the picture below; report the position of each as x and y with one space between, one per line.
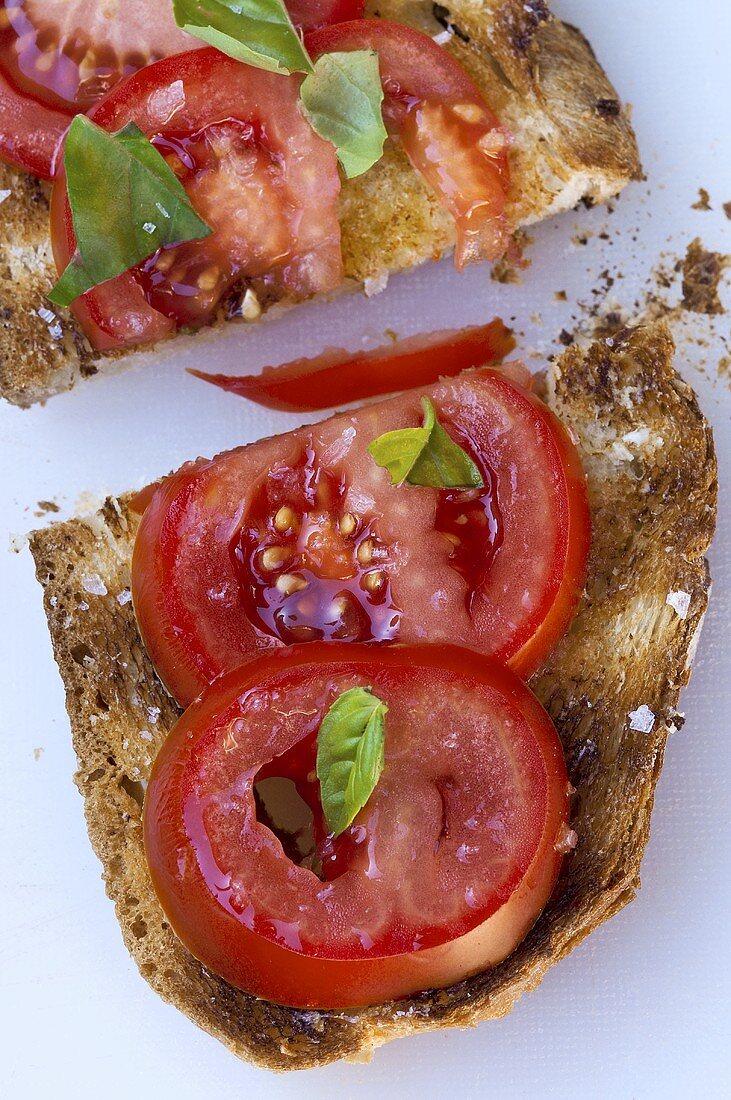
651 467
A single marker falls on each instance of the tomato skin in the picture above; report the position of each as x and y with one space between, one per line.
310 15
534 470
267 224
448 131
31 133
244 953
535 649
338 377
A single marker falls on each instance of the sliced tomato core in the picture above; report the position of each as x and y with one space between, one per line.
308 568
448 131
338 377
254 170
214 580
458 835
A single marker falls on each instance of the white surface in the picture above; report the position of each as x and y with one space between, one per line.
642 1008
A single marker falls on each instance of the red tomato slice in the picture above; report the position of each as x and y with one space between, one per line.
337 377
254 170
447 130
441 874
303 538
59 57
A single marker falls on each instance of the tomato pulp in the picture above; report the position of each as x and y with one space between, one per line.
304 538
448 131
338 377
440 875
254 170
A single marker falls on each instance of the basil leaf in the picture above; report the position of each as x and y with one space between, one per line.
425 456
342 99
257 32
126 202
350 755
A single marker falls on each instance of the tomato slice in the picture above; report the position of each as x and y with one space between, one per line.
303 538
338 377
254 170
449 133
441 874
59 57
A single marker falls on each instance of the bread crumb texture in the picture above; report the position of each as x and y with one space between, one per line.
573 140
648 454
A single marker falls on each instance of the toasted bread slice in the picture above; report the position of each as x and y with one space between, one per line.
573 141
612 687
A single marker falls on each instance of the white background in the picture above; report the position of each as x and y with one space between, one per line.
642 1008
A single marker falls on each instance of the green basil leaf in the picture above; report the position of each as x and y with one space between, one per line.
342 98
257 32
425 456
126 202
350 755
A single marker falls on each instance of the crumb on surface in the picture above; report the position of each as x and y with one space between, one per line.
703 201
702 271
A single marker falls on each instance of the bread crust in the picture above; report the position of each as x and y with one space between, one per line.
573 141
651 469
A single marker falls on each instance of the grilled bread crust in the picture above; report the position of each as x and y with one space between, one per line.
649 457
573 140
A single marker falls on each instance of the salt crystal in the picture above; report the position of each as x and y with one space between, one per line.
680 602
373 286
124 597
93 584
642 719
54 325
5 194
149 227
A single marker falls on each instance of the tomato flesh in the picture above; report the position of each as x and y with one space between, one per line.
338 377
218 574
440 875
254 170
448 131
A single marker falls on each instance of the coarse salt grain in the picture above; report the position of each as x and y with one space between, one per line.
642 720
680 602
94 585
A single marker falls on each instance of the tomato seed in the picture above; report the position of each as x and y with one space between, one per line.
373 581
470 112
273 557
365 551
208 279
285 519
287 583
347 524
